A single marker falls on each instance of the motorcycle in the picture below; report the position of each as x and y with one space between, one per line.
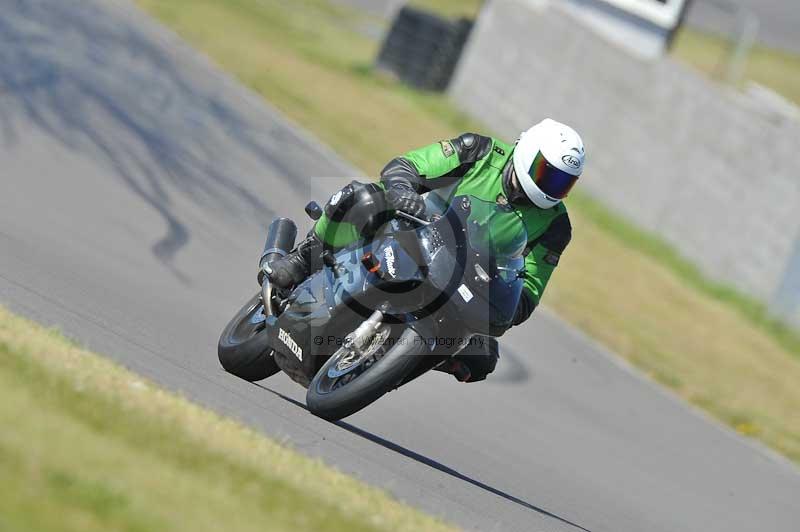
382 312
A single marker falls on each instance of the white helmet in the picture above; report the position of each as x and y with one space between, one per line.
548 159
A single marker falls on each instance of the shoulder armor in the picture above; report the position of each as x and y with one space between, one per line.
472 147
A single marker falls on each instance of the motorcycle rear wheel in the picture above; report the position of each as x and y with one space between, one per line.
330 398
243 350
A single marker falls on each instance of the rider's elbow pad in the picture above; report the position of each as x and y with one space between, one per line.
400 171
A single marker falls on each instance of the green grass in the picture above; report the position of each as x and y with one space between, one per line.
775 69
451 8
88 446
666 255
712 346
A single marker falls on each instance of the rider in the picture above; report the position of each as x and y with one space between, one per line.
533 176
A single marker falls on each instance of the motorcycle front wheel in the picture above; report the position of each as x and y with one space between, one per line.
243 348
346 383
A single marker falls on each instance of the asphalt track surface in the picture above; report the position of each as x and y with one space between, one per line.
135 184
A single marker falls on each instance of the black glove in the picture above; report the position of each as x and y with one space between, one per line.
525 308
401 197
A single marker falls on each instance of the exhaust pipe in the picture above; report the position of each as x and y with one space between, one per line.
280 240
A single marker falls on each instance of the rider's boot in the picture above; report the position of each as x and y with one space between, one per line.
296 266
457 368
475 362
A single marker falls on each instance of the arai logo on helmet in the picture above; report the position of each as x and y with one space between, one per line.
572 161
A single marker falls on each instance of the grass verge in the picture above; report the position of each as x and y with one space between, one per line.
624 287
709 53
451 8
89 446
659 250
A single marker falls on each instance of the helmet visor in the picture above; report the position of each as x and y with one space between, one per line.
552 181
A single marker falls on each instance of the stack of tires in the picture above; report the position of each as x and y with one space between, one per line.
422 49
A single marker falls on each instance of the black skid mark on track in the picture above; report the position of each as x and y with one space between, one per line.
109 91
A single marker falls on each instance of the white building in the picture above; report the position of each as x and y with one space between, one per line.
642 26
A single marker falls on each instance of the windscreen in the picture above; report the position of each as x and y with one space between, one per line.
497 231
498 237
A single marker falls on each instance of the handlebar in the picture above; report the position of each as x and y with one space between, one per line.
411 218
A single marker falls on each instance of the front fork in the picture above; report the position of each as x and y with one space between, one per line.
356 340
266 296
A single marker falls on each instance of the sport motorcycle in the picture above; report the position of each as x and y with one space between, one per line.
386 310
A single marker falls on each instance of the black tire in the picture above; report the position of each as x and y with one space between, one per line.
380 378
243 349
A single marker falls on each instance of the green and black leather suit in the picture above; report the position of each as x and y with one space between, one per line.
470 164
